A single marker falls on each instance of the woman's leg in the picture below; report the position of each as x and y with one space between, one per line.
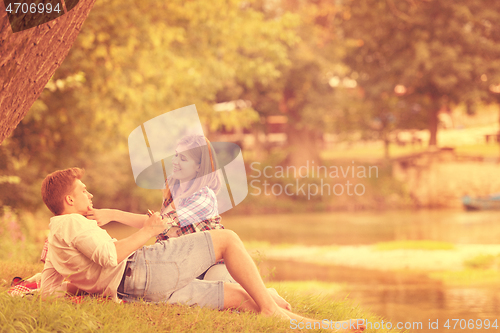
228 246
235 297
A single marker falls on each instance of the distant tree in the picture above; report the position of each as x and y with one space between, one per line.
439 53
303 93
29 58
135 60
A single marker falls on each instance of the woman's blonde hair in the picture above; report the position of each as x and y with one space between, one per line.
203 153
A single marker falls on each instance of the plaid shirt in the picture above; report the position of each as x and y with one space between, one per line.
197 213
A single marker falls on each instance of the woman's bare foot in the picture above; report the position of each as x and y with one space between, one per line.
282 303
276 312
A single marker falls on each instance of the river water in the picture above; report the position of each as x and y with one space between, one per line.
399 297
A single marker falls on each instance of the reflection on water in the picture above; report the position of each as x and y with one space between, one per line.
397 296
343 228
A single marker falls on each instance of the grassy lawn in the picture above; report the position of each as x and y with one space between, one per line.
486 150
468 277
310 298
370 152
31 314
414 245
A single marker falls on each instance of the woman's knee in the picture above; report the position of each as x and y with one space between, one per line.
232 236
224 236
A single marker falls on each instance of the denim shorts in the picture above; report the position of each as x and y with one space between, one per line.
218 272
166 272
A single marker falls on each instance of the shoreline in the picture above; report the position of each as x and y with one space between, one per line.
366 256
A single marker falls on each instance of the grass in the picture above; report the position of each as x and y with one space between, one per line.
468 278
31 314
309 287
482 261
28 314
370 152
21 315
11 269
491 150
480 271
414 245
265 245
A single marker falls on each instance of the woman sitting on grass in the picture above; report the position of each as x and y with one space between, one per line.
189 197
190 192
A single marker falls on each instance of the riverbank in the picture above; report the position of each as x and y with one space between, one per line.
464 265
367 256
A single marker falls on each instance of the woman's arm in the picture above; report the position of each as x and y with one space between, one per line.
211 223
124 247
104 216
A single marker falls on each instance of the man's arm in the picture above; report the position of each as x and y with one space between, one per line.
52 283
104 216
96 244
151 227
56 289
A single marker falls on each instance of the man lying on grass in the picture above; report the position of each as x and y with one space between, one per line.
82 256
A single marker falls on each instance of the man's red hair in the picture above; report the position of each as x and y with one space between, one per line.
57 185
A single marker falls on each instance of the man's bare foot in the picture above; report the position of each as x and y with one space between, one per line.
282 303
351 326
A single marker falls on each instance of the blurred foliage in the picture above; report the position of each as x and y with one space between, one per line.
19 239
413 58
303 94
132 61
356 69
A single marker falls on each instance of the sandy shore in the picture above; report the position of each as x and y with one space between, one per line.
368 257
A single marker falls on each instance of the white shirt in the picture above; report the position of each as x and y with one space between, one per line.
82 253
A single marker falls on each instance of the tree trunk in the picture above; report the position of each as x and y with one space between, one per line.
386 148
433 126
498 135
29 58
305 147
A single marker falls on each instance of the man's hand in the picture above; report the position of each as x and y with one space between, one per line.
150 228
155 224
101 216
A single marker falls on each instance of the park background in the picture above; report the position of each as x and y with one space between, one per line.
410 88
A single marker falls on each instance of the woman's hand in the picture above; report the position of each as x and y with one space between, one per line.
172 233
101 216
155 224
